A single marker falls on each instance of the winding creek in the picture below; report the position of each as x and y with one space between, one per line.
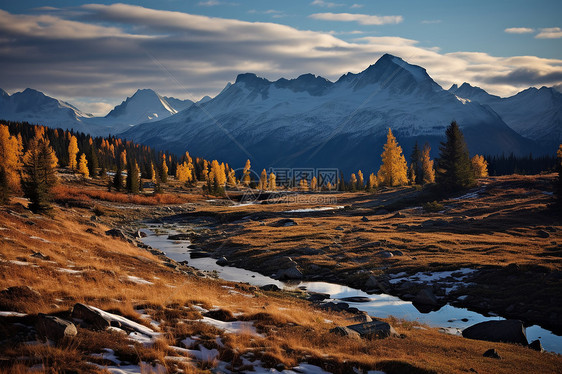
451 319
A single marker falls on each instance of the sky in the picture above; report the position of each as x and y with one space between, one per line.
95 54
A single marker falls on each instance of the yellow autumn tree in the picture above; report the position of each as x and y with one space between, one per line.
394 170
164 170
262 184
479 166
246 179
10 160
303 184
353 182
231 179
272 184
428 172
83 166
373 182
313 184
72 152
183 173
360 180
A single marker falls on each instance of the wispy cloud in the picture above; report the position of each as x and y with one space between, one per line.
519 30
325 4
362 19
215 3
430 21
356 6
272 12
550 33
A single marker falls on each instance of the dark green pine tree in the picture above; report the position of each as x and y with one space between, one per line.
93 163
4 188
39 175
559 181
454 170
132 182
118 177
416 162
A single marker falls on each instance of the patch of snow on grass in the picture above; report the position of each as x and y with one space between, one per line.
234 327
69 271
138 280
40 239
426 277
309 210
12 314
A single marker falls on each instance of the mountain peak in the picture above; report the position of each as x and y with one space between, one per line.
251 80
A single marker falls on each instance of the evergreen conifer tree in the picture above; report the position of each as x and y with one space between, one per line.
454 170
132 181
118 177
416 165
39 174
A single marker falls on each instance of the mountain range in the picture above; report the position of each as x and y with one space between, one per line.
313 122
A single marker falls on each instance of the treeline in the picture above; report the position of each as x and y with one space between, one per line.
30 154
527 165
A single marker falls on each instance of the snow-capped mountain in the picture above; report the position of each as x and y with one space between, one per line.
312 122
533 113
35 107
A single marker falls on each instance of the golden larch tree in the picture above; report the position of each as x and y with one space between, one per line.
262 184
10 159
394 169
272 184
246 179
83 166
360 180
373 182
72 152
479 166
313 184
353 182
428 172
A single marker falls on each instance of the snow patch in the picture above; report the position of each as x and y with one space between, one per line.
138 280
320 209
234 327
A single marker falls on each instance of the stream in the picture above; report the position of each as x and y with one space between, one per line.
452 319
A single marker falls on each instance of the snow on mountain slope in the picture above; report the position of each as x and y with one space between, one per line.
312 122
533 113
35 107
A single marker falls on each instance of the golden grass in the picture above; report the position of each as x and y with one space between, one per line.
293 331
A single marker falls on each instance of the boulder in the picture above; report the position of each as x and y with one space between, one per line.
54 328
426 297
345 331
285 222
116 233
536 345
543 234
339 228
291 273
90 316
373 330
40 255
364 219
385 254
314 297
221 315
222 261
198 254
141 234
270 287
360 318
356 299
492 353
507 331
371 282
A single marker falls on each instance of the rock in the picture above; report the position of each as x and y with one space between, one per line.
270 287
536 345
40 256
398 215
397 253
371 282
492 353
184 262
507 331
221 315
116 233
364 219
356 299
198 254
314 297
360 318
90 231
290 273
345 331
339 228
543 234
179 237
141 234
54 328
90 316
384 254
373 330
434 222
285 222
222 261
426 297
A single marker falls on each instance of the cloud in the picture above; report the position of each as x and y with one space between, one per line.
356 6
325 4
519 30
214 3
362 19
111 50
550 33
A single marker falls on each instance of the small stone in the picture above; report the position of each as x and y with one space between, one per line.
364 219
536 345
385 254
492 353
116 233
543 234
339 228
222 261
270 287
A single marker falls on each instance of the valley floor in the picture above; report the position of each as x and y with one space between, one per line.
168 316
